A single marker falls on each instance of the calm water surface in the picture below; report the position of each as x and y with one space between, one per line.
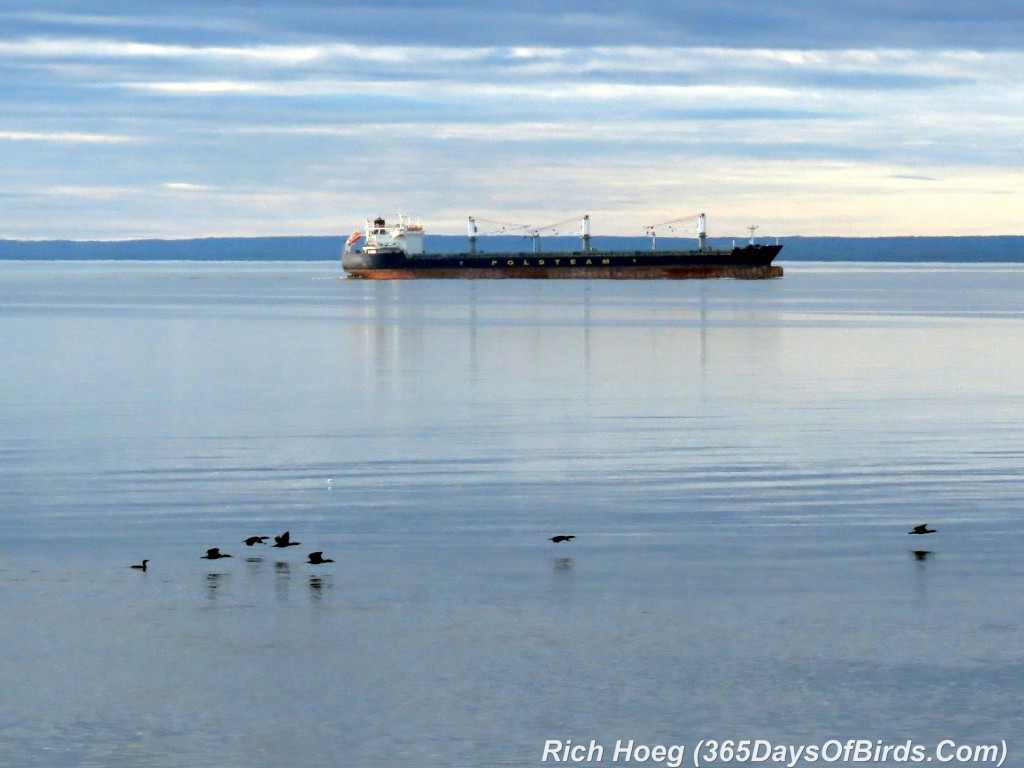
740 463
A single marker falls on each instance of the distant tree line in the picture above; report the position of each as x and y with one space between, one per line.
900 249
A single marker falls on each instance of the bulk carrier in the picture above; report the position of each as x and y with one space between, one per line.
394 251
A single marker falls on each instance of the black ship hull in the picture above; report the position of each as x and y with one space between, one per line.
747 262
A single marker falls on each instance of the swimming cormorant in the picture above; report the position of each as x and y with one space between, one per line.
141 566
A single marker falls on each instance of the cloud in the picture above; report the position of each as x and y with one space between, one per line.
64 137
184 186
86 48
604 106
793 24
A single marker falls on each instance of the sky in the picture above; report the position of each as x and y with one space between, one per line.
179 119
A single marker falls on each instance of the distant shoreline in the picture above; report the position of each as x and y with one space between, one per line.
989 248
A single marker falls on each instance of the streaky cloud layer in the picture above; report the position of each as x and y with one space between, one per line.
304 118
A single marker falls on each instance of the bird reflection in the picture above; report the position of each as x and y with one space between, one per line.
317 585
563 564
282 580
922 554
214 581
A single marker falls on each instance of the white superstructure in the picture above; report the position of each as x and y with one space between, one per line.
402 236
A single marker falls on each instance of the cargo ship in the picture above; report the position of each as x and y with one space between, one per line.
394 251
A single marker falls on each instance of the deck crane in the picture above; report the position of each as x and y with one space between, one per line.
671 225
558 228
505 227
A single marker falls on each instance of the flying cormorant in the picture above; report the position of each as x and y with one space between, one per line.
284 540
214 554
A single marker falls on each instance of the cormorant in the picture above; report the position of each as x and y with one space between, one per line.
317 558
922 528
214 554
141 566
560 538
255 540
284 540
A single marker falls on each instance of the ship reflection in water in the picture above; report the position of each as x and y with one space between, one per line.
741 462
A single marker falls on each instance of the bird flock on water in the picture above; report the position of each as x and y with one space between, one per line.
284 540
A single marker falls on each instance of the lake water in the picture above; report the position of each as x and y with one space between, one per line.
740 463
